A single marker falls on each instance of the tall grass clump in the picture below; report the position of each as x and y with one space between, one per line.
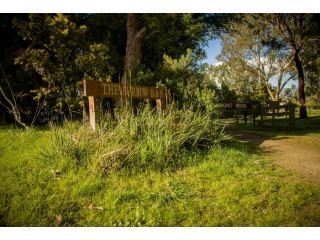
145 140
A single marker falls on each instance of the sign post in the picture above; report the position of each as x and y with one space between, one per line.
94 111
96 89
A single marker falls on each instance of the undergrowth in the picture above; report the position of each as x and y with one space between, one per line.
135 142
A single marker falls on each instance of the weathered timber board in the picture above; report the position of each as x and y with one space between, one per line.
119 90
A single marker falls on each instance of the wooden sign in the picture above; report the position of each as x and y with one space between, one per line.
234 105
96 89
118 90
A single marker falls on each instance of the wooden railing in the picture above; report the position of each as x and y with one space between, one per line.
278 109
255 110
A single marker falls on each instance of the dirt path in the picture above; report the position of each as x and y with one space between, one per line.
298 153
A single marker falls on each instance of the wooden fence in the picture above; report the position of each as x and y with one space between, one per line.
276 109
261 113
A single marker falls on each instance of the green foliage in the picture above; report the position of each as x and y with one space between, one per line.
290 93
137 142
95 63
178 76
187 81
54 42
109 30
186 31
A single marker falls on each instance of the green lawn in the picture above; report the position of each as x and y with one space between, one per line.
231 184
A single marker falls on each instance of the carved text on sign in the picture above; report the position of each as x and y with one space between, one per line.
104 89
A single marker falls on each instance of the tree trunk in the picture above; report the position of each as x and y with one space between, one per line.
302 97
269 91
17 118
135 35
11 105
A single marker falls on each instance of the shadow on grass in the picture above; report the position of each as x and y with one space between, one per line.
243 143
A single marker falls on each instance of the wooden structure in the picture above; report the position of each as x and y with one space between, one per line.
238 110
253 109
97 89
278 109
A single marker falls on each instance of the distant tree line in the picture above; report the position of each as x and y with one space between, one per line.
45 57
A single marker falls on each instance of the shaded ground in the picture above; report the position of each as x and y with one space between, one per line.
300 153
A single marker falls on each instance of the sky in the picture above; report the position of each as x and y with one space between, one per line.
213 49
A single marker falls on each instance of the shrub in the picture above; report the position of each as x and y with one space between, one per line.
134 142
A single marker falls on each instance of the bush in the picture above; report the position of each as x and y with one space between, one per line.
134 142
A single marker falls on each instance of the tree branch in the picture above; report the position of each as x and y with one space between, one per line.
5 106
5 97
5 78
289 62
14 107
286 81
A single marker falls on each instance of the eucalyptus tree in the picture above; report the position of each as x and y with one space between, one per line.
311 57
297 32
247 60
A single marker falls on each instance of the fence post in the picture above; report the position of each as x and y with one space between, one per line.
159 104
272 121
253 116
94 111
245 116
292 109
261 115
